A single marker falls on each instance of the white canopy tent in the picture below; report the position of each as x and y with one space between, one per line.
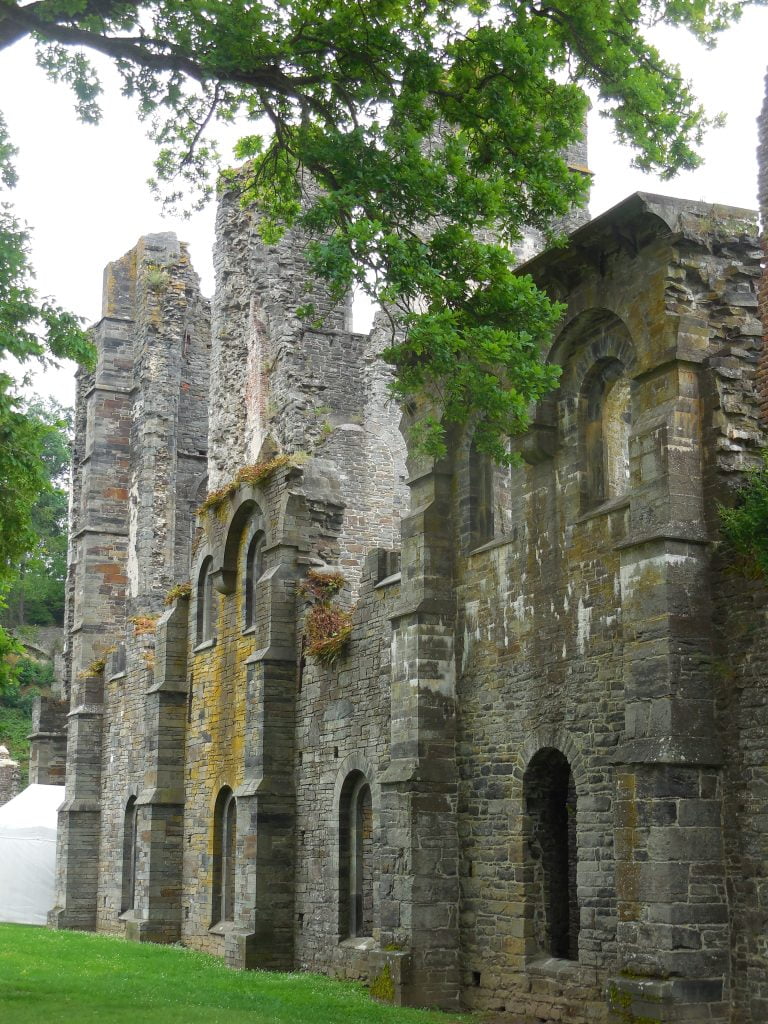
28 854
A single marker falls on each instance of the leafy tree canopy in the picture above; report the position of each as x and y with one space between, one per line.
434 130
36 595
34 462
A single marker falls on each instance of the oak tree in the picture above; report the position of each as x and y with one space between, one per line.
433 134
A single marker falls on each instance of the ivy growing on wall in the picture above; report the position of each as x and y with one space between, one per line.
745 525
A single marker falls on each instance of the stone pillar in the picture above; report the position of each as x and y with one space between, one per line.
169 426
10 776
670 875
77 840
419 857
264 893
99 532
48 742
262 936
156 915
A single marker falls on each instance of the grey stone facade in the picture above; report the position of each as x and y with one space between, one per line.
533 782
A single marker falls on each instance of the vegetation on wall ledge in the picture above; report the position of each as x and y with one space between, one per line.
144 624
258 473
328 626
745 525
321 585
177 593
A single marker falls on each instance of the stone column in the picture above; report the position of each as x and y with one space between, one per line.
48 749
670 877
419 856
262 936
156 915
77 840
264 893
99 533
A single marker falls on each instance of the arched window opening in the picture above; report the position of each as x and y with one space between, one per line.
254 567
205 602
130 836
224 856
550 804
481 470
607 425
356 881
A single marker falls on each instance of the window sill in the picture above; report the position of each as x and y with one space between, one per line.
554 967
489 545
358 942
206 645
221 928
249 630
557 969
612 505
388 581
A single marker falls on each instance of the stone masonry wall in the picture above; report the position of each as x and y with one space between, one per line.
589 648
342 724
742 659
762 199
281 382
548 624
10 776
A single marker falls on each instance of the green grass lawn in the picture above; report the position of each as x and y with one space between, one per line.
51 977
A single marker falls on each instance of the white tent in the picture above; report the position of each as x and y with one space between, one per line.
28 854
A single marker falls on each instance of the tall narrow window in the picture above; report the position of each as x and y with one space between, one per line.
550 804
605 435
205 602
130 835
481 525
254 567
356 882
224 856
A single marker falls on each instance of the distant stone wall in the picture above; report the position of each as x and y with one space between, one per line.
10 776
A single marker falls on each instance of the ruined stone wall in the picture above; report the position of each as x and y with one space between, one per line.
741 651
550 615
283 382
583 648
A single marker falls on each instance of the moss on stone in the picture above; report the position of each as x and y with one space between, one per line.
383 987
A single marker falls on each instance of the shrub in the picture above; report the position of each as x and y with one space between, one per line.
328 631
745 525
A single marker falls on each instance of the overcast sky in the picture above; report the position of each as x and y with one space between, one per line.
82 189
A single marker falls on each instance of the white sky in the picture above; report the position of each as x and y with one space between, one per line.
82 188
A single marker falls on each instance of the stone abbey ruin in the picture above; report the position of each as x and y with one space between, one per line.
534 778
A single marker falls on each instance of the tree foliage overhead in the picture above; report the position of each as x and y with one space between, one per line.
434 130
